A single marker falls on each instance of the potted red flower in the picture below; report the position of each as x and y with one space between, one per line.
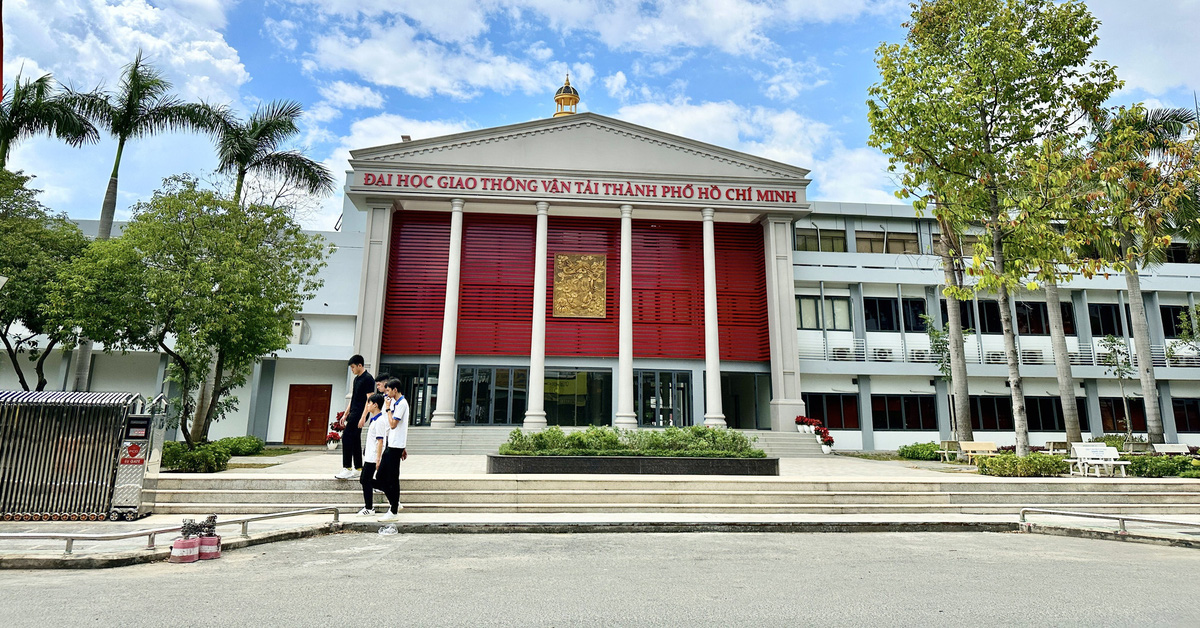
332 439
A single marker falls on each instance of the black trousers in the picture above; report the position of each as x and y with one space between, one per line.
388 478
352 447
367 479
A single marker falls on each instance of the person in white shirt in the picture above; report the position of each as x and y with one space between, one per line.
377 428
388 474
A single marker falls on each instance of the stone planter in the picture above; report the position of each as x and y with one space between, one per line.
332 445
826 449
653 465
803 429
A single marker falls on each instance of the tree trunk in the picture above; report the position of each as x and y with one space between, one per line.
15 358
206 399
40 366
108 209
1020 421
1062 363
237 187
1145 363
959 395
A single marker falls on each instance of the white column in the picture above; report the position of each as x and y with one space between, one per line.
786 403
626 418
443 414
535 413
713 417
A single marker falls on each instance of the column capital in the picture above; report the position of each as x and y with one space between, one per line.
456 204
708 213
627 211
542 207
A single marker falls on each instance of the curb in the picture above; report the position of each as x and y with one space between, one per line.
1104 535
681 527
159 554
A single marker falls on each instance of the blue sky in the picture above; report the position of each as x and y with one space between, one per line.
783 79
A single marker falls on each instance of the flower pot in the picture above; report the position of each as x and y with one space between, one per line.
818 437
800 428
332 445
826 449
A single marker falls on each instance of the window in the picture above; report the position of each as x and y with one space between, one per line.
868 241
827 240
1112 414
1187 415
1170 319
837 313
1178 253
902 243
881 314
836 411
966 312
1045 414
904 412
914 309
989 317
991 413
1105 319
1033 318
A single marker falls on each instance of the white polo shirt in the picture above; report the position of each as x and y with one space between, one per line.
398 436
377 429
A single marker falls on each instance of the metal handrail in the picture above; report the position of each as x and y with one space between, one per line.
151 534
1120 519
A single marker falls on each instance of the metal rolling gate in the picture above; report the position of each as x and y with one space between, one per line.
59 453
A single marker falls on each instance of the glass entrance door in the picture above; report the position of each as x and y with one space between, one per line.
663 398
419 383
491 395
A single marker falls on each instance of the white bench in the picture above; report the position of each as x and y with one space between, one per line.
1171 448
1096 457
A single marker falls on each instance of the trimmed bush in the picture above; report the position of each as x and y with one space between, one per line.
243 445
1190 474
696 441
1033 465
919 451
206 458
1115 440
1153 466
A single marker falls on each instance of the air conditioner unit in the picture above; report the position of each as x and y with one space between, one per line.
301 333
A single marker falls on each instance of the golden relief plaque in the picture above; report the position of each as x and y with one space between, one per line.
580 283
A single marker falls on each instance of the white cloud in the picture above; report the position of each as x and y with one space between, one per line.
350 96
792 77
282 32
617 85
1152 47
379 130
839 173
825 11
209 13
540 51
87 42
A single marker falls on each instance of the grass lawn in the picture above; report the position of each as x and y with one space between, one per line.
872 455
278 451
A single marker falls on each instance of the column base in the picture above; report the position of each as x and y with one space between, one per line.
784 413
625 421
714 420
442 419
535 420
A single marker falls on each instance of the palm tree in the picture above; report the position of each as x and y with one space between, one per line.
253 146
141 107
1166 125
33 107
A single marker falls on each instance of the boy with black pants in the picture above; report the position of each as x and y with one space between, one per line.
362 386
377 429
388 475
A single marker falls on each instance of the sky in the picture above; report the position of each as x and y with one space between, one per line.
782 79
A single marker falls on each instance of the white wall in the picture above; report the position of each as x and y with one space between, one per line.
131 372
8 376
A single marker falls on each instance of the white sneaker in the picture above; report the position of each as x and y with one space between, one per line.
366 512
345 474
388 516
377 491
355 475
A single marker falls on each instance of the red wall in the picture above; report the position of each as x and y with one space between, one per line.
496 290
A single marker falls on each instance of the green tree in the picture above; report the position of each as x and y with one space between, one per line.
142 106
255 147
213 284
34 246
1115 360
33 107
975 88
939 346
1145 172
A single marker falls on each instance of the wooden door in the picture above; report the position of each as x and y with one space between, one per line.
307 414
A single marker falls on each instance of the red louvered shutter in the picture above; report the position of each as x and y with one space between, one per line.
496 295
741 293
416 285
668 289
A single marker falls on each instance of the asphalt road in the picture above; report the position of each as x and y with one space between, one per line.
860 579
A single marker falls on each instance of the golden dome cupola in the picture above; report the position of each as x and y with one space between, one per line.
565 99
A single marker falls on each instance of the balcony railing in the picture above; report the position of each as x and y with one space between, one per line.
885 350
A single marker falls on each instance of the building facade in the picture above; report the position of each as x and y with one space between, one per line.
581 270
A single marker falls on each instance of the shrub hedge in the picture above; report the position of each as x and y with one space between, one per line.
205 458
1033 465
696 441
919 451
1155 466
243 445
1115 440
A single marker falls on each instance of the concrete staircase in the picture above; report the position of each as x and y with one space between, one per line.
261 493
483 440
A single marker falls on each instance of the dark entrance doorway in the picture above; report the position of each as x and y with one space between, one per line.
419 383
307 414
489 395
663 398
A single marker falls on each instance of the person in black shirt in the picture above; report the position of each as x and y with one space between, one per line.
356 407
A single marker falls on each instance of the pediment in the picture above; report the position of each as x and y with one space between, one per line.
585 142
